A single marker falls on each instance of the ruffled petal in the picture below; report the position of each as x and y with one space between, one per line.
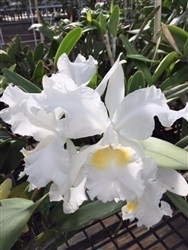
85 112
173 181
48 162
147 208
134 116
80 71
71 199
115 90
77 197
102 86
113 172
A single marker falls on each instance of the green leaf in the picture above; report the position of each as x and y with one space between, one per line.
139 64
183 143
179 35
89 212
68 43
14 156
89 16
38 52
15 214
183 3
177 78
19 191
5 188
114 21
102 23
179 202
141 58
111 6
136 82
38 72
4 151
162 67
185 49
20 81
165 154
176 91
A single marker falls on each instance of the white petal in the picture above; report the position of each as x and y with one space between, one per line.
75 174
80 71
147 208
134 116
47 162
77 197
101 87
115 90
14 96
173 181
113 172
84 110
59 80
55 193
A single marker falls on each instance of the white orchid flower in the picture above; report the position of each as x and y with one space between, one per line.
85 113
80 71
114 167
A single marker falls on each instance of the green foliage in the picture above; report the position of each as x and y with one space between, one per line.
68 43
102 32
15 214
165 154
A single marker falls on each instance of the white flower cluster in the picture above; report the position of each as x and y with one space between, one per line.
114 168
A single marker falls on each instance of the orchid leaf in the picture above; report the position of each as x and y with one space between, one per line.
136 82
162 67
21 81
179 202
183 143
15 214
5 188
165 154
90 212
185 49
139 64
38 52
114 21
38 72
176 91
179 77
89 16
68 43
102 23
178 35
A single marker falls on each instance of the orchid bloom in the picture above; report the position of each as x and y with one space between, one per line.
115 168
49 117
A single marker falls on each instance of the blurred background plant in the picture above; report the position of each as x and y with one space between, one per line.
102 30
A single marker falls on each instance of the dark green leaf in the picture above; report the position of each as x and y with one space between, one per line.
177 78
90 212
20 81
38 72
114 21
176 91
185 49
38 52
14 156
179 202
140 64
136 82
167 60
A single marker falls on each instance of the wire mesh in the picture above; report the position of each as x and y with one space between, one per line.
113 234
